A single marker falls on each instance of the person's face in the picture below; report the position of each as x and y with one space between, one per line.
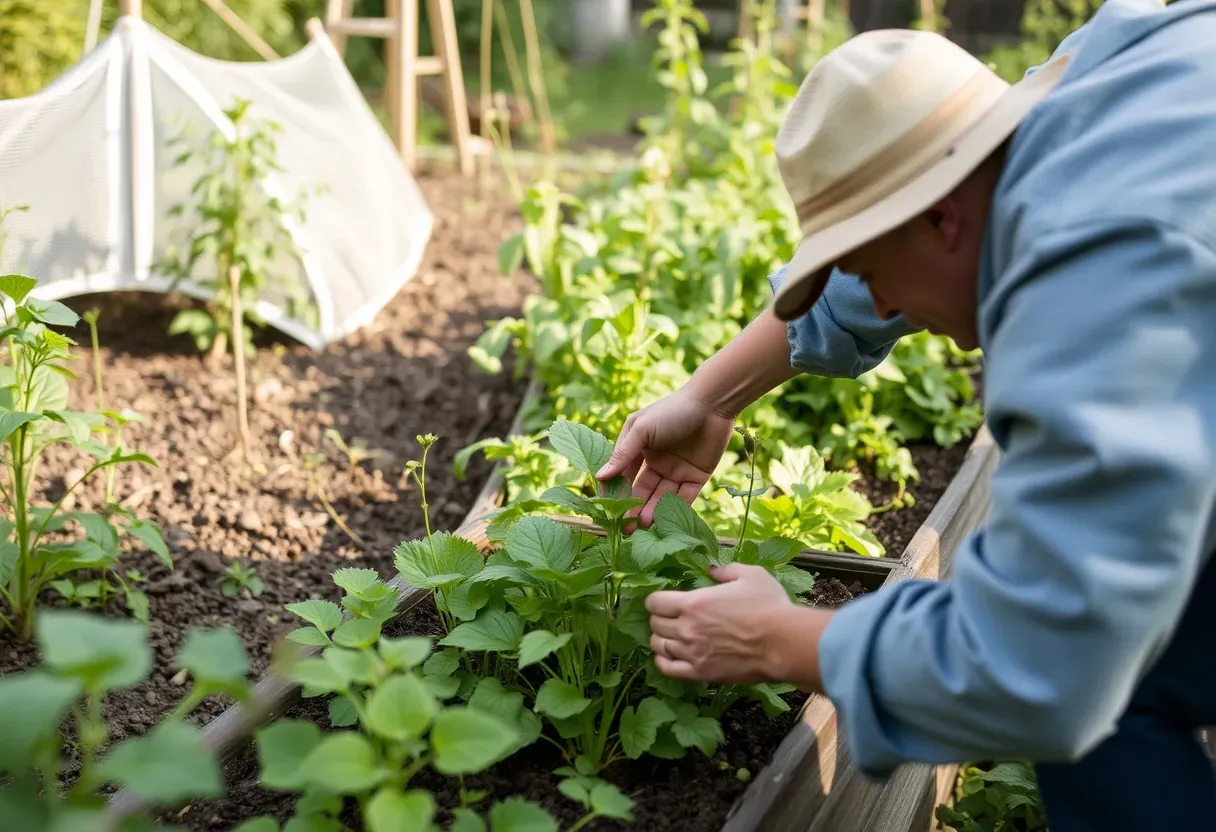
928 268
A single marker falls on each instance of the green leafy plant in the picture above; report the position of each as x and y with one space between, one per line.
397 691
643 279
239 230
239 579
36 547
999 798
555 616
84 657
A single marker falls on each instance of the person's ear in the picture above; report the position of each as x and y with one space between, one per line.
946 220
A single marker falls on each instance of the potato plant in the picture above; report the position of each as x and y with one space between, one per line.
40 545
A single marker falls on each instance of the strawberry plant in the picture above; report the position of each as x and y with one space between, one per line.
84 657
37 548
399 693
555 617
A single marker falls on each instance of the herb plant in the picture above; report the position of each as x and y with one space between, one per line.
37 548
999 798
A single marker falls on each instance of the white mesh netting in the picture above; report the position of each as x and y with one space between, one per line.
89 156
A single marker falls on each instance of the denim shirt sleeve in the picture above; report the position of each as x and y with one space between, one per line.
841 336
1101 393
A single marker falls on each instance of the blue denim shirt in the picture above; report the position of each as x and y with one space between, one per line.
1097 317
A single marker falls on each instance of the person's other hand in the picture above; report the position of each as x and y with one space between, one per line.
744 631
673 445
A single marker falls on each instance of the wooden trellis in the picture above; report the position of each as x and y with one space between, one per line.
404 67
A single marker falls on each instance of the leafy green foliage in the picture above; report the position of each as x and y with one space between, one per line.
43 546
235 219
551 627
1003 797
401 695
1044 25
643 279
84 657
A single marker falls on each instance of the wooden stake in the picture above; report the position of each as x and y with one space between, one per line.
536 77
447 48
243 29
131 8
238 358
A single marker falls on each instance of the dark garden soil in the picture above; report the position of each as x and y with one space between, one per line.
406 373
937 467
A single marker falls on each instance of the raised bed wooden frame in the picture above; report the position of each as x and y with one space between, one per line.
810 783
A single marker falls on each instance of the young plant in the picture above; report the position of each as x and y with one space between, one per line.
397 692
239 579
34 549
242 232
558 615
995 799
83 658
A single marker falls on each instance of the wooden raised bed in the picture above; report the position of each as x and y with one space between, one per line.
810 782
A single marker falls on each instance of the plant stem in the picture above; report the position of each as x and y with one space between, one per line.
238 358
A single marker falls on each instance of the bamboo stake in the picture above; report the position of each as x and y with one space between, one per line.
238 357
487 56
512 55
536 75
243 29
93 27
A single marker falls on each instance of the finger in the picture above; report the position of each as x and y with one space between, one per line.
676 668
664 486
665 627
644 485
666 603
729 572
632 469
629 446
669 648
689 491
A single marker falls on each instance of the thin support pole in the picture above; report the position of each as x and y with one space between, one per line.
93 28
443 33
131 8
536 76
243 29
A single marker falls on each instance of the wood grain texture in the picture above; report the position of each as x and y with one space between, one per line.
794 791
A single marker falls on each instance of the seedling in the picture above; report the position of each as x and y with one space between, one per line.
240 579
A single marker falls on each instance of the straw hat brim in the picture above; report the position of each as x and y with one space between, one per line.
812 264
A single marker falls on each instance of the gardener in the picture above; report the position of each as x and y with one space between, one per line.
1067 226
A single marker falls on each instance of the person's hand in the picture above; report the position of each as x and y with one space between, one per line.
673 445
743 631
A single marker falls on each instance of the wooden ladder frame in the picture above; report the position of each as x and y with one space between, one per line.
404 67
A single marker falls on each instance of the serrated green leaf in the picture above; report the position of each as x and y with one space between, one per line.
32 704
401 708
640 727
167 766
492 630
357 633
282 746
343 763
538 644
609 801
405 653
149 533
105 654
466 820
342 713
324 615
391 811
673 515
319 674
515 814
560 699
214 655
702 732
585 449
308 636
356 581
466 740
541 542
49 312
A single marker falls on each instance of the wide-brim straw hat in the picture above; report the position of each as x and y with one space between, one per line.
884 126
